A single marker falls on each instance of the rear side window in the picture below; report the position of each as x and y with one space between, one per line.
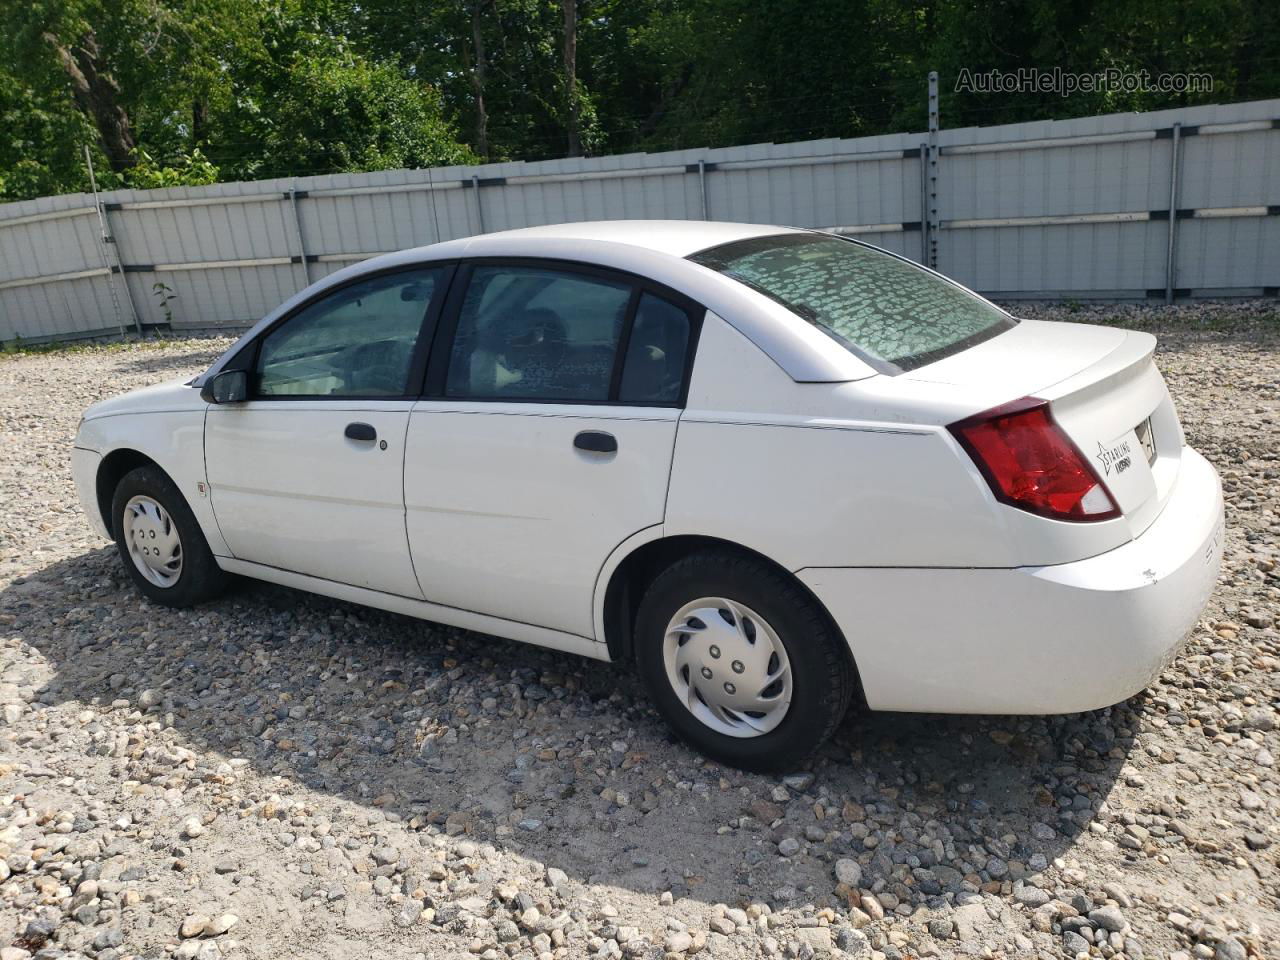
555 335
656 352
527 333
884 309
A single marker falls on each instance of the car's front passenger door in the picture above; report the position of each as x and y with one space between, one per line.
307 475
548 440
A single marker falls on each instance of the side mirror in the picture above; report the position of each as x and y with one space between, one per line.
228 386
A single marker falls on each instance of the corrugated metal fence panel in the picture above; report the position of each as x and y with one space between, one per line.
819 195
1055 181
51 246
222 234
231 252
231 296
66 308
1224 171
1058 261
1229 169
236 231
1228 254
1130 176
1066 178
52 236
656 197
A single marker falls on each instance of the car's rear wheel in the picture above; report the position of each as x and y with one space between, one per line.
161 544
741 661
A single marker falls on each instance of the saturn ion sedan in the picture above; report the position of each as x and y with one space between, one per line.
778 470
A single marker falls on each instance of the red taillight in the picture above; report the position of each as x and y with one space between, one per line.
1031 464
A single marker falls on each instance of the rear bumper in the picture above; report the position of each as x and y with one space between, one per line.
1057 639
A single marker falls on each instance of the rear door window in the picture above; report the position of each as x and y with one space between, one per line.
885 309
530 333
657 352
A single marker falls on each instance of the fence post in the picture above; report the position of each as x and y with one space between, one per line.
475 187
931 196
1170 265
924 203
297 226
435 217
702 185
105 238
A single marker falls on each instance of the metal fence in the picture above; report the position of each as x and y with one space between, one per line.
1176 203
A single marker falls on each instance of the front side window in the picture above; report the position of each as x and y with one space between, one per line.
357 342
529 333
882 308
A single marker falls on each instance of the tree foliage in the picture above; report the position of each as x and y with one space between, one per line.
191 91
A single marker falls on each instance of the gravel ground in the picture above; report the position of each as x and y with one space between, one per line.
279 775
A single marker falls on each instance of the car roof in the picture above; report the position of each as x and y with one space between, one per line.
671 238
676 238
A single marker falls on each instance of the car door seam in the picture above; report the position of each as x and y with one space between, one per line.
404 502
671 466
204 463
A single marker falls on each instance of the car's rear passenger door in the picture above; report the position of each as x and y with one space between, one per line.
546 438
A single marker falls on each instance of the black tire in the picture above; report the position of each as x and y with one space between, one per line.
822 670
200 578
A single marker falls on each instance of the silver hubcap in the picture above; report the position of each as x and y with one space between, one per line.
154 544
728 667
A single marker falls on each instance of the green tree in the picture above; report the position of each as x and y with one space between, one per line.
185 91
182 91
39 138
340 113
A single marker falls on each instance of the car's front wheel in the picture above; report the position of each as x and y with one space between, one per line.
741 662
163 549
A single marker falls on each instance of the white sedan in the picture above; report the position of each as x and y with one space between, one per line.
777 469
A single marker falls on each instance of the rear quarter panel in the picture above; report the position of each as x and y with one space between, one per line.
790 470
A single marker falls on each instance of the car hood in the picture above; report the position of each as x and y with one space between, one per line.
172 396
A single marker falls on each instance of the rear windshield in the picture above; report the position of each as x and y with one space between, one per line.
883 308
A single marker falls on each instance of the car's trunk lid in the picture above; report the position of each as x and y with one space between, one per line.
1104 391
1026 358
